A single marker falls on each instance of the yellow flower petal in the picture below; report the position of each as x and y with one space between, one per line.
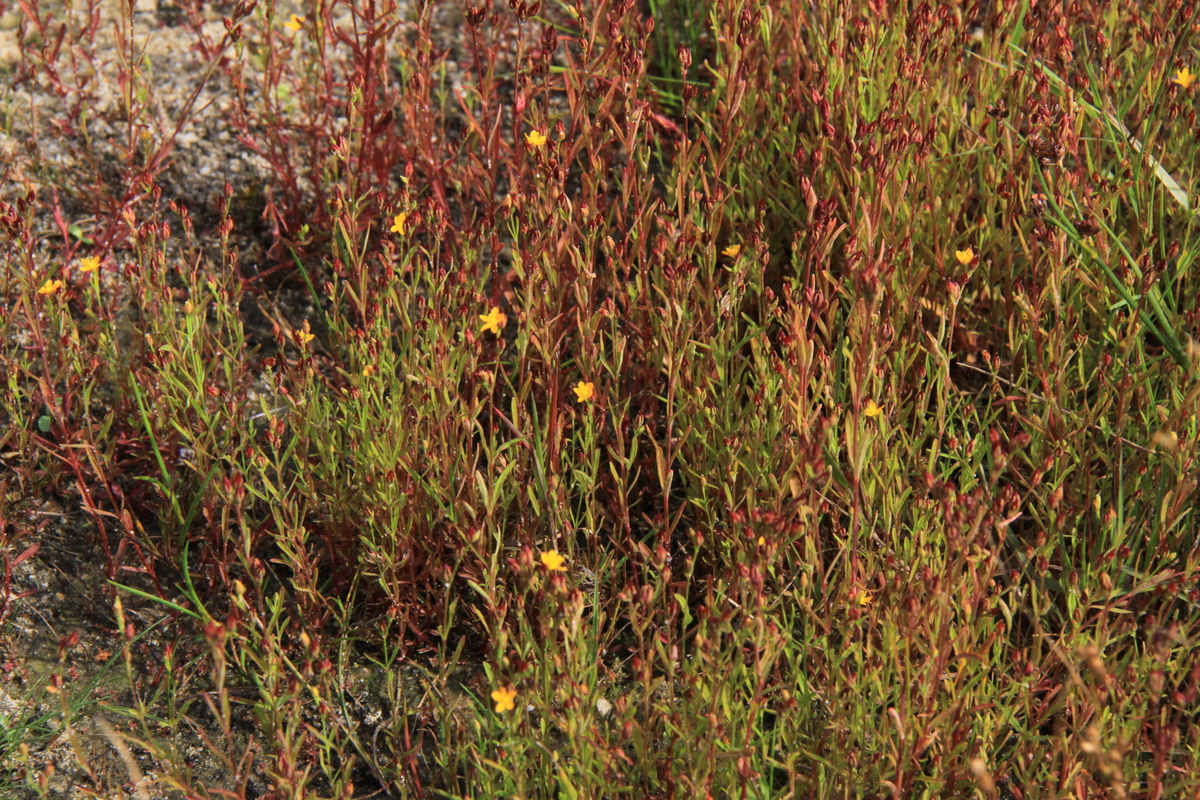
552 561
504 698
964 256
535 138
293 24
398 223
89 264
1184 77
585 391
493 320
304 336
732 250
50 287
872 409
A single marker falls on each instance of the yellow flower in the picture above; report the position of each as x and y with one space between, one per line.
1184 77
504 699
553 561
398 223
304 336
293 24
368 370
535 138
872 410
964 256
50 287
493 320
584 391
89 264
864 598
732 250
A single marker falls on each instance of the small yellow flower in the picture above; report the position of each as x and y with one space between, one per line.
872 409
493 320
584 391
293 24
732 250
864 598
89 264
1184 77
504 699
535 138
552 561
304 336
964 256
50 287
368 370
398 223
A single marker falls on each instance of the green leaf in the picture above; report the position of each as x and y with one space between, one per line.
77 232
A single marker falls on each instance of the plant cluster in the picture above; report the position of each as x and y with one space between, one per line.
804 408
